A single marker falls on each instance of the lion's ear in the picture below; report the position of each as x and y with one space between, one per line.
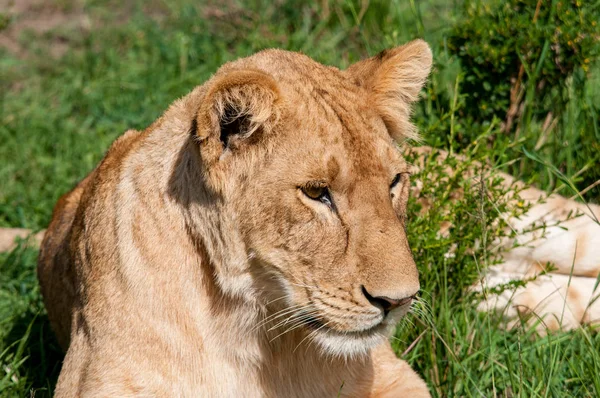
238 105
394 79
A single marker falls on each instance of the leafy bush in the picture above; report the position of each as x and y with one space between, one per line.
530 64
520 48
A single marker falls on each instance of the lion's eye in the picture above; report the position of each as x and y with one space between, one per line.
318 192
396 180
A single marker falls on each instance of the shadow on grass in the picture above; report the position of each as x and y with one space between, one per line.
42 358
30 357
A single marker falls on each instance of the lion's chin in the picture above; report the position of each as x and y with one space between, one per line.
351 344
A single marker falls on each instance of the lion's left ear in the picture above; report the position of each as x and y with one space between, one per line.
238 108
394 79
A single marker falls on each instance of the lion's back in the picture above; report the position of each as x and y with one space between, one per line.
56 265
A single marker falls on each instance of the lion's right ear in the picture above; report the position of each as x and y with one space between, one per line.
393 79
238 108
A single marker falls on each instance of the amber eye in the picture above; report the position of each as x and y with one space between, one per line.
318 192
314 192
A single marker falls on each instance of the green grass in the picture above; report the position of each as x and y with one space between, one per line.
58 116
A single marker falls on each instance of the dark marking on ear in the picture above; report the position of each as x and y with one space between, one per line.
233 123
382 55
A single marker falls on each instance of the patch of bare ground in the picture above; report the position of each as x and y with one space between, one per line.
10 236
40 17
27 24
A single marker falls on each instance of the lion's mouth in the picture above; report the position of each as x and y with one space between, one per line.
317 325
346 343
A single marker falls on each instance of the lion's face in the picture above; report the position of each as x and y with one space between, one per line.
319 189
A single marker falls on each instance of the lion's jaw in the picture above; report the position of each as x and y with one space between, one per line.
339 260
317 326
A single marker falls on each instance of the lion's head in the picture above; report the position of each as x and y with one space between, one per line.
305 159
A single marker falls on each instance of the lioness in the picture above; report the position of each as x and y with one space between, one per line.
250 242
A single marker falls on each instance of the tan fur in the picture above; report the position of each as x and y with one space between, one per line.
569 247
191 263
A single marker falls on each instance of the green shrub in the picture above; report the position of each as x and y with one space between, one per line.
516 49
531 65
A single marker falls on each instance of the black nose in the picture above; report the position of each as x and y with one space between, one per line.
386 303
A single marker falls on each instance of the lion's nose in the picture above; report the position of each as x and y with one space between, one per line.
386 303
